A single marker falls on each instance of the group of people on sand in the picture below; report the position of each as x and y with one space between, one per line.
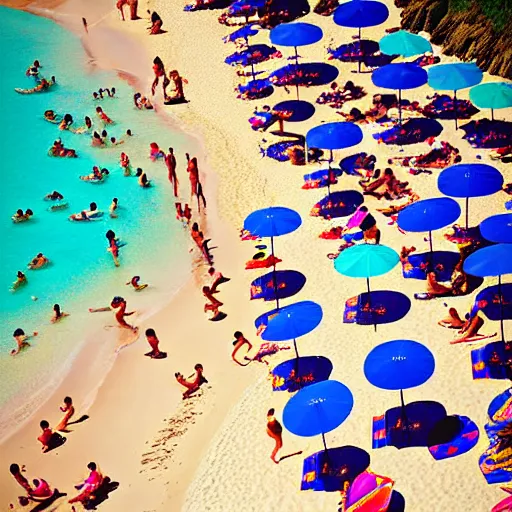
177 95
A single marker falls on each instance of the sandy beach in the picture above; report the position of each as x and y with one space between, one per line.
212 452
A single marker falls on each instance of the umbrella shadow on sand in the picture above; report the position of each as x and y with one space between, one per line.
410 132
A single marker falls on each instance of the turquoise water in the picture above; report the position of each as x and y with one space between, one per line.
82 273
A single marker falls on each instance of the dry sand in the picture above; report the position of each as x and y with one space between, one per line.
141 433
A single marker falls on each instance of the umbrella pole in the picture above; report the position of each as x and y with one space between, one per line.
370 302
297 63
467 212
501 310
306 156
400 107
430 243
323 440
274 276
492 114
329 174
360 50
455 108
295 347
252 70
404 414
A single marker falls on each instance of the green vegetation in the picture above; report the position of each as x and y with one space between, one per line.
498 11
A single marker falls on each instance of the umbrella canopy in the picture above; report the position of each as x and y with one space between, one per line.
492 261
318 409
300 372
429 214
272 221
334 135
497 228
469 180
360 14
293 321
296 34
492 95
403 75
405 44
399 364
366 260
454 76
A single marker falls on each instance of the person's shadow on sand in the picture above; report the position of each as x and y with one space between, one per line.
55 441
82 418
43 505
101 494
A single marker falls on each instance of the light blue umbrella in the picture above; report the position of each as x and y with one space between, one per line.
492 261
318 409
405 44
366 260
492 95
453 77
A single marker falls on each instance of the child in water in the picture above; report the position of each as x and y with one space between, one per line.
120 304
21 339
57 314
21 279
137 285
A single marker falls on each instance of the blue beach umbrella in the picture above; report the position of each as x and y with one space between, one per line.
296 34
429 215
469 180
271 222
492 261
399 365
401 76
292 322
366 261
453 77
497 228
360 14
318 409
333 136
404 43
300 372
492 95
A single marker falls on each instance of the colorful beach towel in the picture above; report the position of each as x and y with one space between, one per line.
461 443
442 262
494 361
488 302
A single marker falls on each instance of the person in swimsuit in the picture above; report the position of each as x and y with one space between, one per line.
239 342
153 343
159 70
102 116
90 485
170 162
200 196
15 471
156 23
113 246
143 178
46 437
155 152
275 431
194 381
97 141
38 262
57 314
218 279
54 196
21 340
21 279
125 164
113 208
33 69
120 304
137 285
193 174
68 411
213 305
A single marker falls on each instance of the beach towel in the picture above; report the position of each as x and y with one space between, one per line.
442 107
320 179
354 52
496 461
494 361
308 74
486 133
488 302
254 54
254 90
269 349
462 442
443 263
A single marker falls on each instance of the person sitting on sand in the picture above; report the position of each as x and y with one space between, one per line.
21 279
136 284
153 343
386 186
193 382
90 485
68 410
155 152
458 285
213 305
156 24
46 437
38 262
218 279
178 95
354 116
143 178
239 342
58 315
378 111
452 320
275 431
120 304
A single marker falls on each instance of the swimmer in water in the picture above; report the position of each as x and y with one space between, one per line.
38 262
57 314
137 285
120 304
125 164
21 279
103 117
21 340
54 196
143 179
19 216
113 246
113 208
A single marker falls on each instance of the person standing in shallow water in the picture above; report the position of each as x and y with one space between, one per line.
275 431
170 162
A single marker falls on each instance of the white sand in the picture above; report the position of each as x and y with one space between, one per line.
226 451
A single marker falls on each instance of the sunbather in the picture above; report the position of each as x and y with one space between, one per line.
193 382
440 156
387 186
335 97
470 331
213 305
218 279
459 285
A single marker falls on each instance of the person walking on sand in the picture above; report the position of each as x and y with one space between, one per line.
239 342
153 343
120 304
275 431
200 195
170 162
68 410
193 175
159 71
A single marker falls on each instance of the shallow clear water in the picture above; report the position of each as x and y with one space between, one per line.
82 273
